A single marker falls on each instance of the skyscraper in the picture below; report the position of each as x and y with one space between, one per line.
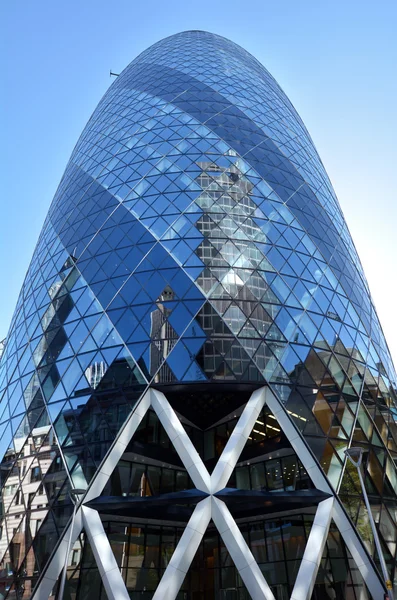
195 347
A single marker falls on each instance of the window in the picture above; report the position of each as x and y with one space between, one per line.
57 464
15 550
35 475
38 524
9 490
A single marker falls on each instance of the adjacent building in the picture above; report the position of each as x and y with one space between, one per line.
193 350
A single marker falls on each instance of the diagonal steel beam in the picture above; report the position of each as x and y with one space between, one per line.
108 568
312 556
185 551
240 553
238 439
181 441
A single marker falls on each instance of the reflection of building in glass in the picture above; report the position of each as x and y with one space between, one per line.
94 373
162 334
195 345
25 504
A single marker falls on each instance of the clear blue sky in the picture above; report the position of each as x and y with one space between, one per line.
337 61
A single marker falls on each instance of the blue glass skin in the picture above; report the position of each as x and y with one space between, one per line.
194 190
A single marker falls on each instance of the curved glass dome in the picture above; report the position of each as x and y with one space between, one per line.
195 245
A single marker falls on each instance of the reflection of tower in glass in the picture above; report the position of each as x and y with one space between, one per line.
94 373
231 252
162 334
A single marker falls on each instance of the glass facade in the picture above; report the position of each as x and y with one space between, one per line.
194 245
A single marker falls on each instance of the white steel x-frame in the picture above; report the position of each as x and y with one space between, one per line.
211 508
